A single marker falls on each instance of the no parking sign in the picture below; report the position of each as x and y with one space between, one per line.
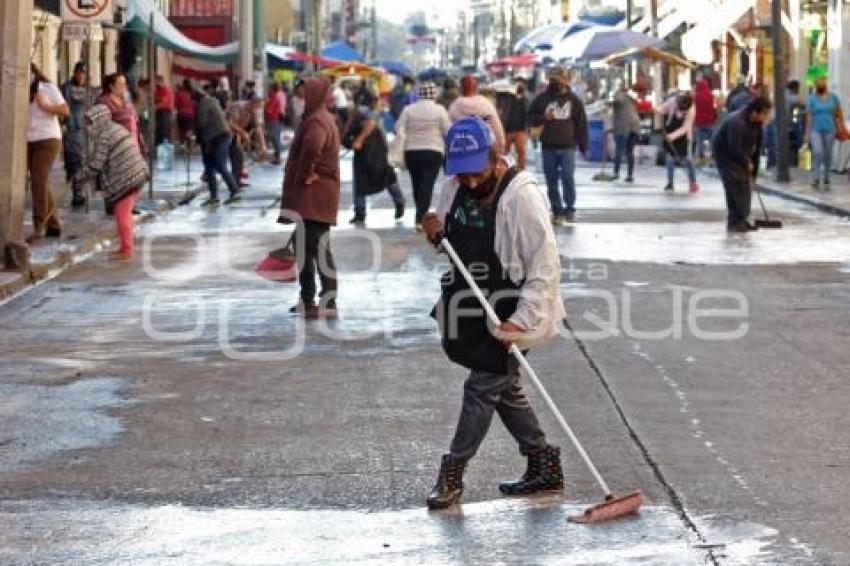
88 11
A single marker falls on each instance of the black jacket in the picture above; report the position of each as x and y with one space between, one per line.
737 143
567 131
513 111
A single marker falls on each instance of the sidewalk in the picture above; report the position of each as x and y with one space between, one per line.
86 232
835 201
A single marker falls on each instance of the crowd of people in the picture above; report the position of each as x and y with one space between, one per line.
233 128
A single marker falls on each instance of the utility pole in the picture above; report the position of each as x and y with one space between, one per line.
260 62
781 111
15 42
629 80
246 40
656 67
374 31
315 28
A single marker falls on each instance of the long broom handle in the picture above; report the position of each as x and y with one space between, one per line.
494 319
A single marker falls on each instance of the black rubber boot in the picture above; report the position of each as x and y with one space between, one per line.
449 486
544 473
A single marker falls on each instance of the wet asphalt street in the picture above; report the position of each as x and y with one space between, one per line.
171 411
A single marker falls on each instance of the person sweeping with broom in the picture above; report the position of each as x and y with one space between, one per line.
497 222
736 148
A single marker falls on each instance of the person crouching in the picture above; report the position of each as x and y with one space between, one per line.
118 162
497 219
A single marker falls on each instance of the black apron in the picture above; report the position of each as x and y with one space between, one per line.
678 148
464 327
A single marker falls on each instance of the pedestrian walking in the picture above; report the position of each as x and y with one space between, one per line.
705 118
44 140
564 129
513 112
77 95
372 171
239 118
164 105
824 114
449 93
422 127
494 216
739 100
122 170
677 113
311 187
470 103
215 137
184 104
275 107
401 96
626 124
341 105
736 148
298 103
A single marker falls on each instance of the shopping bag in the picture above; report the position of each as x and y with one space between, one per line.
805 158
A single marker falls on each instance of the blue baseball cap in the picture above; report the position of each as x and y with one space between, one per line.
468 144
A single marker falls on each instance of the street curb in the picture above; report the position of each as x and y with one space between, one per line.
66 258
786 194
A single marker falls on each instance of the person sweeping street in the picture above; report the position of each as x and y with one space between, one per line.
497 220
117 161
736 149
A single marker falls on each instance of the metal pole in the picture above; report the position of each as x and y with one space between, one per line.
628 27
87 47
151 113
783 174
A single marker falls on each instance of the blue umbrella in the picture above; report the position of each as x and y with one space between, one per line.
396 68
546 37
600 42
342 51
432 74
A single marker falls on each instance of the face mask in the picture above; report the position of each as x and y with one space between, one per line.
821 90
485 187
520 90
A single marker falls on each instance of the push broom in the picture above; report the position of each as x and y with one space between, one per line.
767 221
612 507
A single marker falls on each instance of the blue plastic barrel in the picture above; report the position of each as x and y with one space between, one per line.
596 137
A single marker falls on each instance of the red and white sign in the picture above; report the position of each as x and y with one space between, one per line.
88 11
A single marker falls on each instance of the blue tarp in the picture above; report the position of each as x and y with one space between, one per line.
342 51
396 68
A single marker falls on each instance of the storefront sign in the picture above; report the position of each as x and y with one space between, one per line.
77 31
201 8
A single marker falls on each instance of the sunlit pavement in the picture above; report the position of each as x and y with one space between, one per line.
171 410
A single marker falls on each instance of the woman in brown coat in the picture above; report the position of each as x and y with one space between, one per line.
311 198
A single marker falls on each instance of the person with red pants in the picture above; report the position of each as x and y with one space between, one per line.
118 162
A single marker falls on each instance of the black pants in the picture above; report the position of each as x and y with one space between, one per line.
316 252
739 194
164 119
484 393
237 159
625 148
424 167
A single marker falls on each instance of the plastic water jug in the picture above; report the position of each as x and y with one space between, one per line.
165 156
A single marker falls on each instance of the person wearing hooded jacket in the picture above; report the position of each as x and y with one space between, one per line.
497 219
705 117
311 186
562 116
118 162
